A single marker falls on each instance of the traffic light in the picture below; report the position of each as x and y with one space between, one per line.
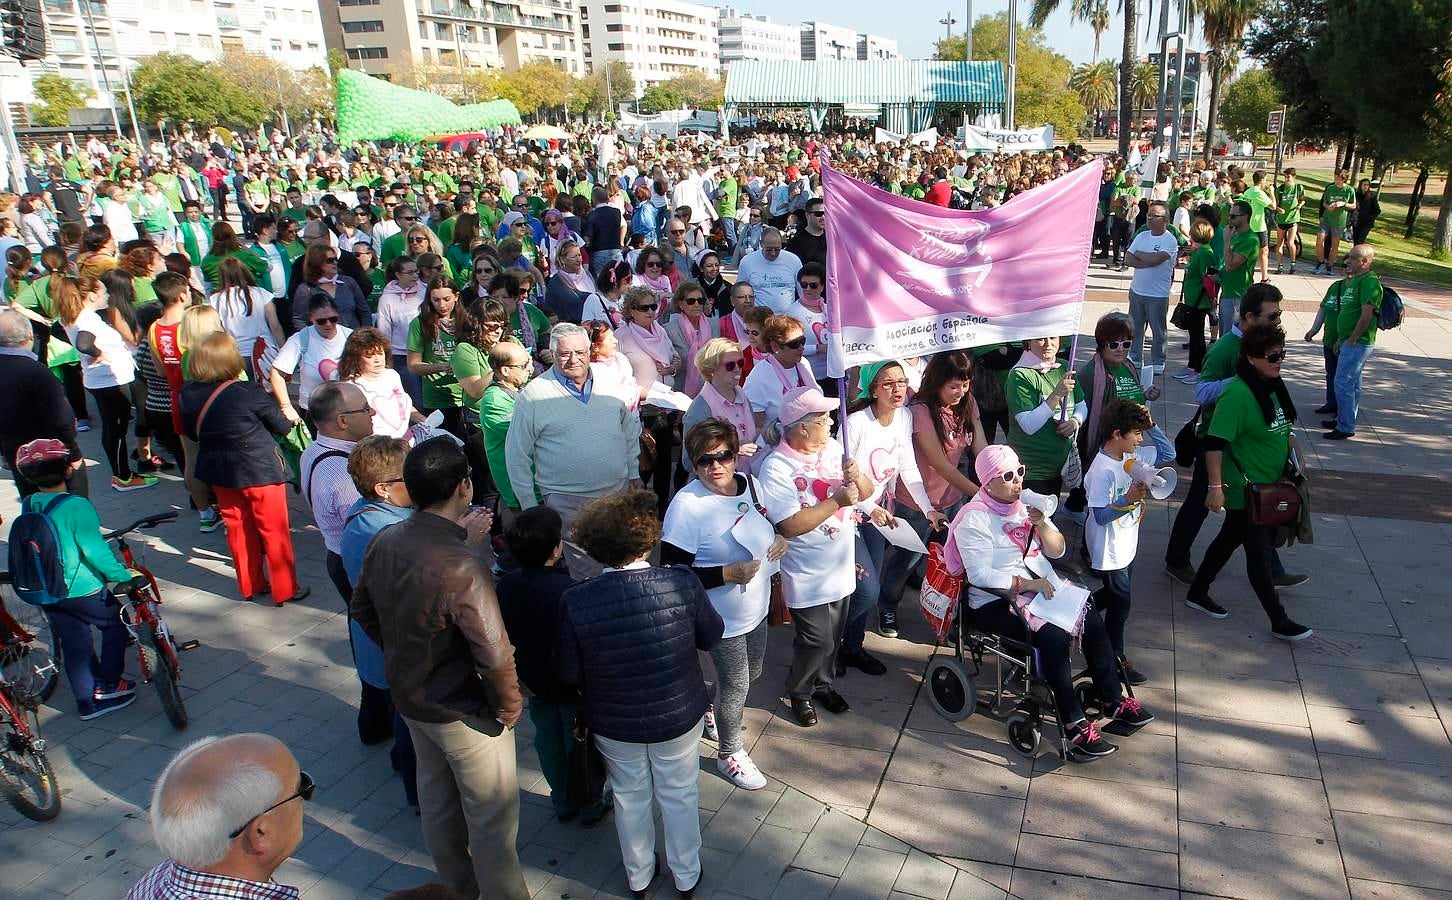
22 29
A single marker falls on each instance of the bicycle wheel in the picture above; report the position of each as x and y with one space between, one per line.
161 660
42 668
26 778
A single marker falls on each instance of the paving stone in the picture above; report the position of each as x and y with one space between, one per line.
1135 815
738 819
796 811
870 875
1241 697
1097 860
763 862
1235 862
936 820
803 884
1375 735
1361 889
1381 653
831 844
1382 848
1143 758
974 758
1250 746
925 876
839 775
1385 788
1276 803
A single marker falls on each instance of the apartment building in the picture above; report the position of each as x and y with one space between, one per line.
745 36
823 41
658 39
871 46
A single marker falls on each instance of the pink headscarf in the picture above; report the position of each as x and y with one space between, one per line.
990 463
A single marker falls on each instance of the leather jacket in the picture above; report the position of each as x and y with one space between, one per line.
429 602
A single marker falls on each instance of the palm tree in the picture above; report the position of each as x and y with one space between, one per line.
1084 10
1098 19
1144 85
1095 85
1225 22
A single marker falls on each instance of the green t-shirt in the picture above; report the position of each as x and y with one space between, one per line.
1124 200
1290 198
1219 365
468 361
1044 451
440 390
1235 282
1260 448
1360 291
1126 386
1259 200
1330 313
496 409
1194 285
1336 218
726 203
393 248
145 293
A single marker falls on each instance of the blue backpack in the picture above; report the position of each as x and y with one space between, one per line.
1392 309
36 572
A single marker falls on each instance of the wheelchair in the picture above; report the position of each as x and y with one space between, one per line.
1020 697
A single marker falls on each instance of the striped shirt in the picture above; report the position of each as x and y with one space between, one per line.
328 487
172 881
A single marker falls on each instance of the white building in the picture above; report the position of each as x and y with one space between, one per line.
744 36
117 33
823 41
871 46
658 39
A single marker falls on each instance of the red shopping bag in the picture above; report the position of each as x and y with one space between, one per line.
941 587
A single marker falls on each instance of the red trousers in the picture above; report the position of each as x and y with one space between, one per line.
256 520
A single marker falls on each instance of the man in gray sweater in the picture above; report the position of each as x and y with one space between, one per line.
571 440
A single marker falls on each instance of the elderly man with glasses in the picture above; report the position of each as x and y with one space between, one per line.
1152 255
394 233
771 272
227 812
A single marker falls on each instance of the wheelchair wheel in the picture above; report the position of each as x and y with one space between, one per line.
951 688
1024 735
1089 699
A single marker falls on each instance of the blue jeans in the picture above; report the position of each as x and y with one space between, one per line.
1113 602
1149 311
600 258
728 228
1329 355
1229 312
72 620
1349 363
870 548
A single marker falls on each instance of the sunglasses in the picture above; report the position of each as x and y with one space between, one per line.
330 259
817 212
523 292
1013 475
678 231
693 301
646 307
418 238
1275 356
732 365
811 285
795 343
326 320
408 218
706 459
652 265
1118 345
305 789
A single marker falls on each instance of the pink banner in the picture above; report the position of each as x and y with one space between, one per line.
908 279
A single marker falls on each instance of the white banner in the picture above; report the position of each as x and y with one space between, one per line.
994 139
927 139
883 136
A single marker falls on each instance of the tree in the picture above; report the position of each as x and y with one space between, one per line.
1043 93
535 88
170 87
262 78
1283 40
1248 100
1098 19
1082 9
698 90
58 95
1439 121
1225 22
1095 85
1144 85
659 98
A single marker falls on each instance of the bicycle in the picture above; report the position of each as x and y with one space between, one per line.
28 675
157 652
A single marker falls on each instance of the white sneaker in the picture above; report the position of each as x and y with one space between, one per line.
1192 378
741 771
710 732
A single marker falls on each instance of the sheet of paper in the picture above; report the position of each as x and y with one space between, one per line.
901 534
1063 608
662 396
754 533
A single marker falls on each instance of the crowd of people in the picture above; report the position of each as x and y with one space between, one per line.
561 460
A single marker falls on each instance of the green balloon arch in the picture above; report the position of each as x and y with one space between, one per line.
371 109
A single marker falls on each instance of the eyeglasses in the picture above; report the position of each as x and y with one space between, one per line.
817 212
678 231
646 307
492 326
330 259
418 238
811 285
1271 317
571 354
795 343
1013 475
354 412
326 320
753 332
1118 345
523 292
894 384
732 365
305 788
653 264
692 301
1275 356
398 480
706 459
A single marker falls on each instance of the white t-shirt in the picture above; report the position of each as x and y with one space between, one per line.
764 387
775 282
701 521
1154 281
821 565
1182 220
317 365
391 404
244 327
117 366
885 454
1111 546
814 329
596 308
276 267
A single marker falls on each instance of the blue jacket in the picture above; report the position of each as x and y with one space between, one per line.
364 520
630 638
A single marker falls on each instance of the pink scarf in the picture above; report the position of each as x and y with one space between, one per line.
737 412
803 379
817 476
661 285
734 328
696 337
654 342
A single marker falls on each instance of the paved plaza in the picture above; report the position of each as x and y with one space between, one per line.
1321 770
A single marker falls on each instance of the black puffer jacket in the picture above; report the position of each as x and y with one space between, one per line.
629 639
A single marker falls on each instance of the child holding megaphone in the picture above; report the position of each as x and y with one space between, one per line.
1116 506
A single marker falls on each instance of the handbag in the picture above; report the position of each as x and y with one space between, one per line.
290 449
777 611
585 774
1182 316
1187 443
941 589
1270 504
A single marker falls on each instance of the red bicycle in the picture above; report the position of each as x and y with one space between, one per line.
158 654
27 677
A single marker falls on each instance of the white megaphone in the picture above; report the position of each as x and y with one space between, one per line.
1047 504
1161 482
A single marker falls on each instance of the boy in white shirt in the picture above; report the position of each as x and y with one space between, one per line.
1116 506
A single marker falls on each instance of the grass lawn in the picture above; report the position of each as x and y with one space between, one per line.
1396 257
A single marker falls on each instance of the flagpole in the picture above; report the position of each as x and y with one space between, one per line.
826 159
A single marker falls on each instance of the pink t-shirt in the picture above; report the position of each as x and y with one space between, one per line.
955 444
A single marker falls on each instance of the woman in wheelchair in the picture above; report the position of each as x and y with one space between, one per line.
1005 547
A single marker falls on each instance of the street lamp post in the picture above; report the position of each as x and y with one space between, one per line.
949 21
1011 69
968 31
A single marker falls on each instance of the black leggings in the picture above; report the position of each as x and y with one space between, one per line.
1259 544
1054 645
114 407
162 433
137 389
1197 338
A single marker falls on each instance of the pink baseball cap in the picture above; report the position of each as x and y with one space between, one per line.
803 402
40 450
